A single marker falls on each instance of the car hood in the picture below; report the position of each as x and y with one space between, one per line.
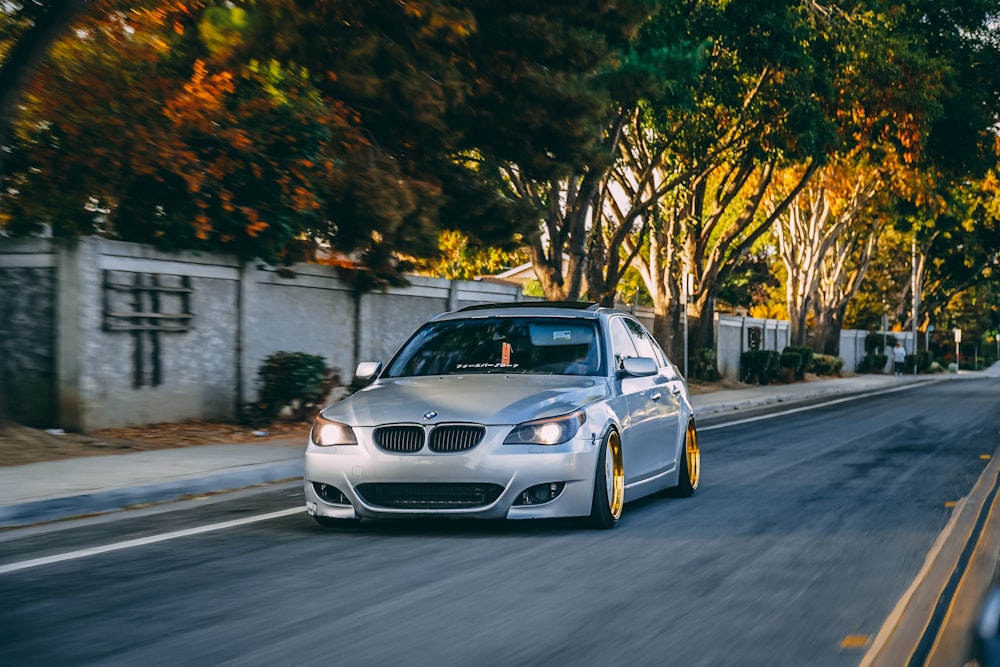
482 399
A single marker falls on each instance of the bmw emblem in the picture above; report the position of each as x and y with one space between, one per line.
430 414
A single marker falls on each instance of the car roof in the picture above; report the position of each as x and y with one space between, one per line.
576 309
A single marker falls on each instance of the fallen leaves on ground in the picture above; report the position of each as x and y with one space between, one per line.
21 445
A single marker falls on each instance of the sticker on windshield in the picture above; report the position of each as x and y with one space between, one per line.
505 354
562 335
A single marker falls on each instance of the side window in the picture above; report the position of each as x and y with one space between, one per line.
648 347
622 345
644 343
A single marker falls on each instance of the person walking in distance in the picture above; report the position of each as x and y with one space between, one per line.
898 358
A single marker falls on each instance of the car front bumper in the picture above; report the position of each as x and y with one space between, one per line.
515 468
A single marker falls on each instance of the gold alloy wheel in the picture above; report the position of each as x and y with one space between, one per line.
614 474
693 455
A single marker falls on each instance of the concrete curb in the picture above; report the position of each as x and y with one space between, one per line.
53 509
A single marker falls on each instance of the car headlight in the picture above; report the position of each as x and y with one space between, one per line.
326 433
551 431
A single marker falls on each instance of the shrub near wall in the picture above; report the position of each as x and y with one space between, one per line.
791 363
294 380
827 364
704 364
760 366
877 342
805 359
873 363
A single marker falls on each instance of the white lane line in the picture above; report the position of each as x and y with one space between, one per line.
142 541
749 420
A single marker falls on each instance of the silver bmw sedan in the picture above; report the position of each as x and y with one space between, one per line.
517 411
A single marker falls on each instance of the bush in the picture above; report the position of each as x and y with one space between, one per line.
924 361
791 360
827 364
760 366
873 363
790 364
704 364
294 380
873 343
805 357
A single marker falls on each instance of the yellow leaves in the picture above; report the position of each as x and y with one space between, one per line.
412 9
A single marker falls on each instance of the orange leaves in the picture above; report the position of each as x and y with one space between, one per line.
439 20
202 227
203 96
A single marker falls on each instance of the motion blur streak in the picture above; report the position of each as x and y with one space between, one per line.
803 409
152 539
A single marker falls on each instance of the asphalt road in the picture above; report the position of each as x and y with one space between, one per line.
807 530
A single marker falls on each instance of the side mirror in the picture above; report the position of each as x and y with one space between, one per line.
367 371
986 638
639 366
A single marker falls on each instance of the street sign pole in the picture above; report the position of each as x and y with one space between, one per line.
958 340
685 297
916 300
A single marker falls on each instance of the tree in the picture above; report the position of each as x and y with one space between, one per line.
29 31
451 113
825 248
889 136
140 128
462 259
567 198
757 105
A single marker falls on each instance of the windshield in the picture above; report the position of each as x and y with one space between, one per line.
555 346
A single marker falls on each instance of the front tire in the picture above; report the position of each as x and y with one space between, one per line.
609 484
690 474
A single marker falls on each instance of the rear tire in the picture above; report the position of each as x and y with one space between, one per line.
690 474
609 484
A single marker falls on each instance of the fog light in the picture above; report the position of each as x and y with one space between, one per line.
331 494
540 494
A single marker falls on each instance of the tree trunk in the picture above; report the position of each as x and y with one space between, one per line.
829 323
667 330
560 281
701 320
798 332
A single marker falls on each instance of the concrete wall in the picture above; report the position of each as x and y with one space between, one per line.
732 333
63 363
27 332
78 354
852 346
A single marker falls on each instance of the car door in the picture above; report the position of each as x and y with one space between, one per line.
641 430
668 388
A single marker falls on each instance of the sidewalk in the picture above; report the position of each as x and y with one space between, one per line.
43 492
